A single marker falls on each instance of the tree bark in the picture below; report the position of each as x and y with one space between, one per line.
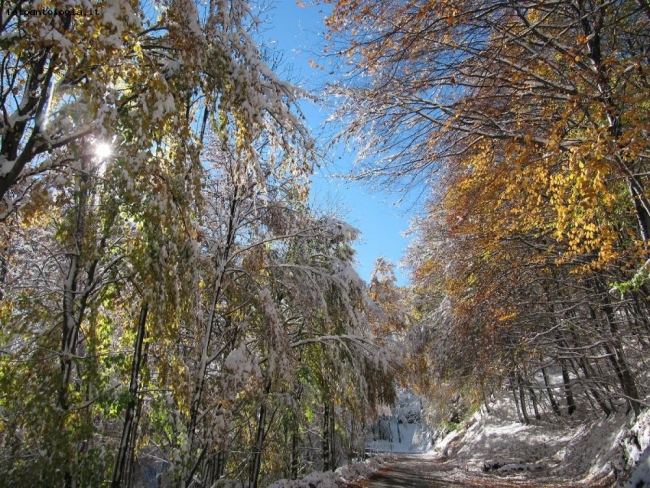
568 391
522 399
586 369
549 392
256 461
295 460
129 430
513 388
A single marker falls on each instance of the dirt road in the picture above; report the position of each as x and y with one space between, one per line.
425 471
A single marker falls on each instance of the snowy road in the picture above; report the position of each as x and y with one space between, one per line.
425 471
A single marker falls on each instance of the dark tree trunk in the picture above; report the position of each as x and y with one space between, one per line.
586 369
549 392
129 431
628 384
256 461
513 388
295 460
568 391
329 462
533 398
522 399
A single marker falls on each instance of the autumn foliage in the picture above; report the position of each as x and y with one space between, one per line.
172 311
529 123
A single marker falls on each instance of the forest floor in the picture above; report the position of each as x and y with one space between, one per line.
495 450
436 471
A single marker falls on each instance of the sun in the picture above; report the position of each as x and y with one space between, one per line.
103 150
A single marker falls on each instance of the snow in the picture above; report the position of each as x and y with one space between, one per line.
346 474
164 104
242 366
111 13
563 451
5 165
403 431
191 16
500 438
556 449
171 68
637 450
338 229
641 476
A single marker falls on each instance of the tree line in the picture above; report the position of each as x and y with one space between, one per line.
527 123
172 310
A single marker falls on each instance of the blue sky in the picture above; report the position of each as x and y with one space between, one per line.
298 33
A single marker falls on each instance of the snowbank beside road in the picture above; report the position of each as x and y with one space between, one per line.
566 451
637 450
553 449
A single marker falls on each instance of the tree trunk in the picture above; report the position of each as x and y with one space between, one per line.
3 270
616 354
513 387
332 442
71 312
533 398
628 384
522 399
129 431
568 392
485 400
549 392
328 438
586 369
256 461
200 374
641 207
295 460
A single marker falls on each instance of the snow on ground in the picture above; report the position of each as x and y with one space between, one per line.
637 449
343 475
607 451
641 476
399 430
553 449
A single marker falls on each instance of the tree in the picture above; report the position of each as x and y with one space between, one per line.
526 120
102 271
172 310
558 84
151 70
